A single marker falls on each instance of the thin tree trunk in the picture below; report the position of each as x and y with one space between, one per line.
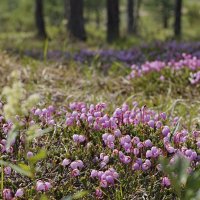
39 19
131 15
165 13
112 20
67 9
97 18
137 16
178 16
76 20
165 22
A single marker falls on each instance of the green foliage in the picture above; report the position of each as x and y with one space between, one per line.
93 5
193 14
16 105
21 168
185 185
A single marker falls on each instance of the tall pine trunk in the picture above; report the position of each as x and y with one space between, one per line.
178 16
76 20
112 20
131 15
39 19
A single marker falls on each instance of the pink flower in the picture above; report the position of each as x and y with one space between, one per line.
110 179
7 170
66 162
104 183
98 193
151 123
94 173
76 138
135 166
47 186
19 192
29 154
40 186
43 186
74 165
117 133
7 194
162 78
2 148
75 172
148 143
165 130
166 182
146 165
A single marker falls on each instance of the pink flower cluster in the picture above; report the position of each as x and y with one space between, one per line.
81 113
46 115
43 186
132 150
106 178
195 78
133 138
8 195
78 138
75 166
3 148
187 61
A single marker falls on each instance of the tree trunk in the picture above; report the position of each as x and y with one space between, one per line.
137 16
67 9
76 20
39 19
178 15
112 20
165 21
165 13
131 15
97 18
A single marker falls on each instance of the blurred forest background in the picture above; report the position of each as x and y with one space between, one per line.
120 23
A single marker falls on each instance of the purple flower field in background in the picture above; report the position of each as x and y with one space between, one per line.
162 51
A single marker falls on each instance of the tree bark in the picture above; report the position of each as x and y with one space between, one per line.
39 19
137 16
131 15
165 13
76 20
178 16
112 20
97 18
67 9
165 21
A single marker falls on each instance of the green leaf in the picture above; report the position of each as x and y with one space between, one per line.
175 128
22 168
69 197
39 156
180 169
80 195
167 169
43 197
2 177
39 133
11 137
177 172
191 189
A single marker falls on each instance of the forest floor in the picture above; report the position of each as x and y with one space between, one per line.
62 83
